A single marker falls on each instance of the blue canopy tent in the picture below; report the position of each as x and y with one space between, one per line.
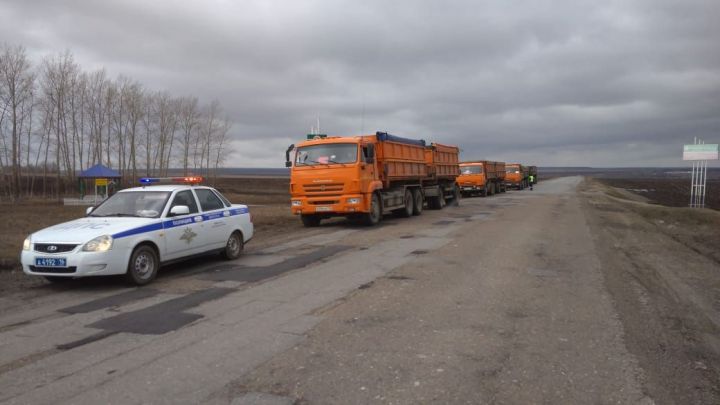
97 172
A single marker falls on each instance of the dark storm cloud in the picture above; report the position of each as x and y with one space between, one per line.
549 82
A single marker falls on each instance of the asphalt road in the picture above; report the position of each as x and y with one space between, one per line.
500 300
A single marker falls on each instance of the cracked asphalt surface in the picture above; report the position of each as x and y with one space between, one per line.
509 299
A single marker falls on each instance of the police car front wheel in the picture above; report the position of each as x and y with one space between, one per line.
143 266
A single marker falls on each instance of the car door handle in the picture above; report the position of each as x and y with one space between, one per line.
198 218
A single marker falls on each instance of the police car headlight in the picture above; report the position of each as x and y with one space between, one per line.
99 244
296 203
27 243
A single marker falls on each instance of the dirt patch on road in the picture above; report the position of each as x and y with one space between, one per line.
662 267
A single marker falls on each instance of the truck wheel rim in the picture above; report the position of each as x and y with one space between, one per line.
144 265
375 208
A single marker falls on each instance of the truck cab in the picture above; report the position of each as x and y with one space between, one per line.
333 175
472 179
516 176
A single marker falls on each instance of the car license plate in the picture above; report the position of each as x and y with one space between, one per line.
51 262
322 208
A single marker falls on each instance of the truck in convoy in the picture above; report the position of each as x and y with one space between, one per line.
364 177
532 171
483 177
516 176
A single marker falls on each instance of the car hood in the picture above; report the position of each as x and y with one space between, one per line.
84 229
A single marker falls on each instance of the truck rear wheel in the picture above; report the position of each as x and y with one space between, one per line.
455 197
408 209
417 201
310 221
373 217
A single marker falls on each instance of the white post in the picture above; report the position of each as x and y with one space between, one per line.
704 183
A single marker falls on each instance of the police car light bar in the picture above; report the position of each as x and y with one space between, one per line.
171 180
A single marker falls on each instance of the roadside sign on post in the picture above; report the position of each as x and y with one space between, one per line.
101 182
701 152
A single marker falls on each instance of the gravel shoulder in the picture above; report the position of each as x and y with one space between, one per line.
662 267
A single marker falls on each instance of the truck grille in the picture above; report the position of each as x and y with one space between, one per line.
54 247
323 188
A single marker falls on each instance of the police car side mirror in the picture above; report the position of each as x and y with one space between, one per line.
89 210
179 210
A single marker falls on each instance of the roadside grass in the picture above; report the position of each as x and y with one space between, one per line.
20 220
695 228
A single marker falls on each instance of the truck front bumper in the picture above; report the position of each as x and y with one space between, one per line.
329 205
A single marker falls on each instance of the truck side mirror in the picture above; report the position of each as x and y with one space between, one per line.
288 163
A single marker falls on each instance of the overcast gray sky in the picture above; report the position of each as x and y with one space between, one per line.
547 82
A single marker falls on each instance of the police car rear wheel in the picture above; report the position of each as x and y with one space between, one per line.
143 266
233 247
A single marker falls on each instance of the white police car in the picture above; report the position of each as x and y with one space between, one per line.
137 229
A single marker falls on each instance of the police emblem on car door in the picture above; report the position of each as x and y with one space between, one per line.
183 232
188 235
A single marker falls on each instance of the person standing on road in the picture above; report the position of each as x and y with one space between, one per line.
532 181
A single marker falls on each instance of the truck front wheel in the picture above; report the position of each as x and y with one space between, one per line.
373 217
310 221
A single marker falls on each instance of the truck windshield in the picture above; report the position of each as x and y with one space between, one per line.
513 170
147 204
333 153
471 170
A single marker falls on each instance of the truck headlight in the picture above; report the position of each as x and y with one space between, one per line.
27 244
353 201
296 203
99 244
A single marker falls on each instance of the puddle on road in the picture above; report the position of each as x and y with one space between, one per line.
444 222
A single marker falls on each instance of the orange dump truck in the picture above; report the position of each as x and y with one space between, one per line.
364 177
516 176
482 177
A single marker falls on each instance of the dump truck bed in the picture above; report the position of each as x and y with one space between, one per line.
400 158
443 161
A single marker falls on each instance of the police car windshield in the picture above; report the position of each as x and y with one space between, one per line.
332 153
145 204
470 169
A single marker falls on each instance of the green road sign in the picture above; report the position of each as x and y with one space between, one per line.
708 151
